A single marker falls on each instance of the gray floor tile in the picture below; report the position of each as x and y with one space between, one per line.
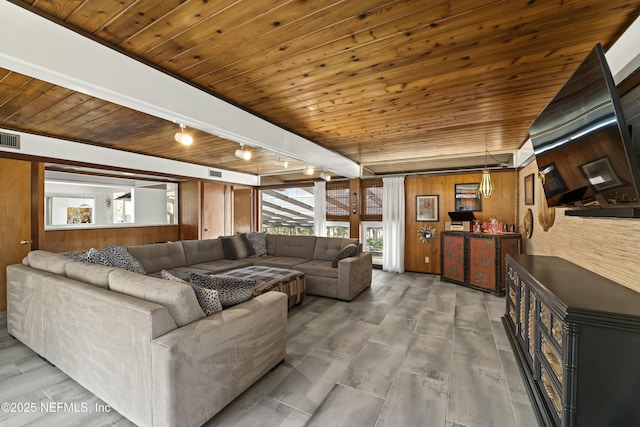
478 396
476 347
264 412
309 383
348 339
429 356
370 312
347 407
32 380
374 368
472 317
303 344
408 308
395 331
515 384
441 301
414 401
524 415
435 323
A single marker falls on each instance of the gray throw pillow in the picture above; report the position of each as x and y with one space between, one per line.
258 241
236 247
231 290
78 256
121 258
350 250
208 299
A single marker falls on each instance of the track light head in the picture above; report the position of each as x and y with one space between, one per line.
309 170
325 176
243 154
182 137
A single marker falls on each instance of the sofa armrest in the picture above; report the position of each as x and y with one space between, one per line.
354 275
201 367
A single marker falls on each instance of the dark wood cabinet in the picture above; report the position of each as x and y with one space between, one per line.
576 338
477 259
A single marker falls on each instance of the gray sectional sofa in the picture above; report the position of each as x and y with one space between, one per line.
140 344
144 345
311 255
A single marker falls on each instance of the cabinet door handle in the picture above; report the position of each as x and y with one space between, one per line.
25 242
206 229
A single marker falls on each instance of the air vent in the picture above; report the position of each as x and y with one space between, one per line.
214 173
8 140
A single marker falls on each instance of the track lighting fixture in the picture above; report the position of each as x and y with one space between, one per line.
282 163
308 170
182 137
243 154
324 175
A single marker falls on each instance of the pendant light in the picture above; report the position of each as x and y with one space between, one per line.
486 187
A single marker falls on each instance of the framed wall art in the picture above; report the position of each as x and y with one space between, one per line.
428 208
529 193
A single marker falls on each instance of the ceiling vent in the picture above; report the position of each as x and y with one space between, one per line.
214 173
8 140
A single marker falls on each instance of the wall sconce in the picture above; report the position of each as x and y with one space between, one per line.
354 203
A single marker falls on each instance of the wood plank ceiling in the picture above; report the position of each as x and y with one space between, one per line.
396 86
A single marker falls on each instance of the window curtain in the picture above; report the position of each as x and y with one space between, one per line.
393 224
320 209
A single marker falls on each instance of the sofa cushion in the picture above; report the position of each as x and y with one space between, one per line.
179 298
280 262
272 244
207 298
346 252
258 241
121 258
231 290
94 274
48 261
220 265
199 251
158 256
318 267
295 246
327 248
236 247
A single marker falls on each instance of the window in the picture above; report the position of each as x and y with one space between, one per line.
338 201
288 211
372 240
338 229
371 200
371 203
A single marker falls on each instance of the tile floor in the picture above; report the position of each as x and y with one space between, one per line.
410 351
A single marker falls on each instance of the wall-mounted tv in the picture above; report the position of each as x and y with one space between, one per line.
582 145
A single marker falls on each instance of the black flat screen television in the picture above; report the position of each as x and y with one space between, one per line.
583 148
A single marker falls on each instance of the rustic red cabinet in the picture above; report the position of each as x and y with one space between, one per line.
477 260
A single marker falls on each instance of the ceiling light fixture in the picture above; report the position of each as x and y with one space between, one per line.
486 187
243 154
324 175
308 170
182 137
282 163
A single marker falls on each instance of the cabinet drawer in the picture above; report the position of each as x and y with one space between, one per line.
551 394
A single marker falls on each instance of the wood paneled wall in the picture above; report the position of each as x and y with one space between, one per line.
76 240
502 205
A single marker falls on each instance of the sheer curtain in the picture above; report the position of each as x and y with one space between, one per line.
393 224
320 208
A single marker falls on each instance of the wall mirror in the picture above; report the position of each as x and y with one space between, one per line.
75 200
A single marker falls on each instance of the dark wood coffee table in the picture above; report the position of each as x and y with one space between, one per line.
290 282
